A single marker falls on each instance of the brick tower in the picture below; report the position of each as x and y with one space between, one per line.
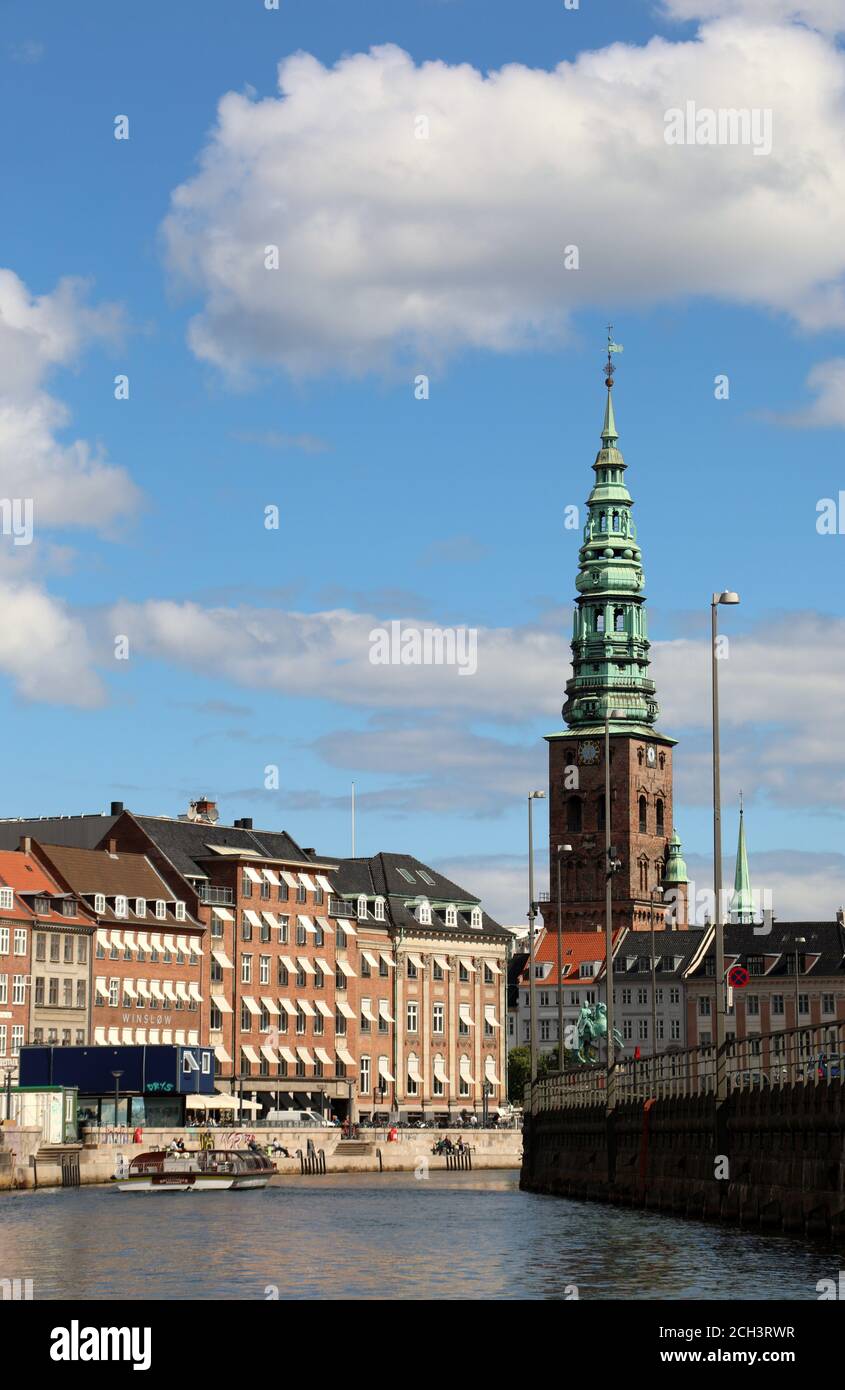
610 680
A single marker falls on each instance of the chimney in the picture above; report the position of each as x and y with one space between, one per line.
245 822
117 808
310 852
25 844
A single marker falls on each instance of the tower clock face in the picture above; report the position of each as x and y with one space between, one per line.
589 753
650 757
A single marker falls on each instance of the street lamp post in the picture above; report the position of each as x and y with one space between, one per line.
486 1091
612 866
561 850
656 895
117 1075
532 913
799 941
726 597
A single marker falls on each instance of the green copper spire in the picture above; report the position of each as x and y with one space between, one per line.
742 902
676 869
610 643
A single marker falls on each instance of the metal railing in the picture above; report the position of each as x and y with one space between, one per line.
808 1056
339 908
220 896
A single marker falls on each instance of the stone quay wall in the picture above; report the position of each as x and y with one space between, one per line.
25 1162
771 1159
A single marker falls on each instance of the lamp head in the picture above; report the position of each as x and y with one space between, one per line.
726 596
537 796
564 849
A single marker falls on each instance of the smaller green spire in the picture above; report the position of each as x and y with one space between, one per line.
676 869
742 903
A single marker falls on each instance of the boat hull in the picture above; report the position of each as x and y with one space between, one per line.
190 1182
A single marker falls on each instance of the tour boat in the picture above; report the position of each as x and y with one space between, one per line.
194 1170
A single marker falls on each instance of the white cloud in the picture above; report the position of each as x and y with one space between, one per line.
826 15
826 382
805 887
71 483
397 248
45 649
780 687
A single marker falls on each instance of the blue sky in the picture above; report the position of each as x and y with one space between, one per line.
448 510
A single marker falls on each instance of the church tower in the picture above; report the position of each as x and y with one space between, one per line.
610 680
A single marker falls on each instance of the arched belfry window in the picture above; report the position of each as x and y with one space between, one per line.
643 875
642 815
599 620
619 619
658 812
616 521
603 521
573 813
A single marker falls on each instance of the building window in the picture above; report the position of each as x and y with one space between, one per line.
378 909
436 971
284 923
627 1029
412 1017
642 804
55 948
121 906
114 989
437 1019
180 911
39 989
475 918
828 1004
40 943
674 1029
68 950
17 1038
264 970
704 1007
777 1004
489 977
246 970
364 1078
281 973
365 1024
366 968
161 909
424 913
7 899
658 812
642 1029
752 1004
246 885
411 969
463 973
451 916
301 895
674 995
82 950
246 928
573 814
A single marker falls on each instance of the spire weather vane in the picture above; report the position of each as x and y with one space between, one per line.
612 347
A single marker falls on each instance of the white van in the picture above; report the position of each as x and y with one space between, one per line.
295 1118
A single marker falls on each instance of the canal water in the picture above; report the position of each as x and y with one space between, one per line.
386 1236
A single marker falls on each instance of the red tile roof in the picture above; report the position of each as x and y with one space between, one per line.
576 947
26 876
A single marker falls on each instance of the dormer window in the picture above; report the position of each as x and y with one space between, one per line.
475 918
424 913
180 911
451 916
7 898
99 902
161 909
362 908
121 906
140 907
378 909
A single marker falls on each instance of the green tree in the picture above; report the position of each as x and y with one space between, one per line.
519 1073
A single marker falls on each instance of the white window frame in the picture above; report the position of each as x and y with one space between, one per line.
99 903
20 941
7 898
362 908
161 909
140 907
180 910
121 906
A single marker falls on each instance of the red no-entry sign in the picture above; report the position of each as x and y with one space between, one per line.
738 976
